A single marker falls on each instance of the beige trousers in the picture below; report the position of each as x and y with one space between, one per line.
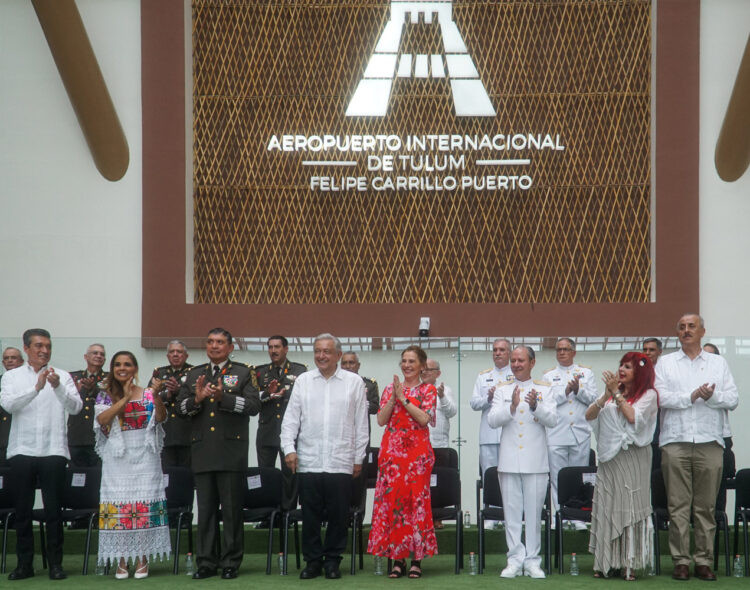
692 475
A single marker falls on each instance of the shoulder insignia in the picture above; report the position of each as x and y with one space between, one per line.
585 367
541 382
508 382
485 371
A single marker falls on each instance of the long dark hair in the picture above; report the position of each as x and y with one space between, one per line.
114 387
643 376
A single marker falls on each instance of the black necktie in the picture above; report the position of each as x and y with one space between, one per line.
215 377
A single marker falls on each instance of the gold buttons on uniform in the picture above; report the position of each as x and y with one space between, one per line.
173 415
520 436
211 414
278 416
212 429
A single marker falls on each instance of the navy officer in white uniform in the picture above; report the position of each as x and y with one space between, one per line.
524 408
574 389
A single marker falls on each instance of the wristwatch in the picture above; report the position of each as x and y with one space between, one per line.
406 401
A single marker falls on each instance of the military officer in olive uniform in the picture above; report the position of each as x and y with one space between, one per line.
350 362
176 450
12 358
274 382
81 426
218 397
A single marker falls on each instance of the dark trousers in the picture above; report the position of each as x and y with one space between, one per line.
83 456
324 496
220 495
267 458
175 456
51 474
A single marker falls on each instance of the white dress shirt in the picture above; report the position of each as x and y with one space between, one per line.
40 419
705 420
523 447
614 433
572 428
325 422
440 433
485 380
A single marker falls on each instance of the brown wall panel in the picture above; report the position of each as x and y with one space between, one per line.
164 310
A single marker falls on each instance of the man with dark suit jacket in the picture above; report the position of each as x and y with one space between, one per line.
81 426
176 451
274 382
219 396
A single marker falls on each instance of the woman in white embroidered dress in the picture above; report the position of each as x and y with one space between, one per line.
623 420
133 524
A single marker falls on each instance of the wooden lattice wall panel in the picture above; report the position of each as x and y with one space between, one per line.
580 234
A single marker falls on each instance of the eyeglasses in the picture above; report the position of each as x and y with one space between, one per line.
563 350
426 369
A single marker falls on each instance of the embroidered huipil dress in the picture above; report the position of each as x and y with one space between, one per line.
132 503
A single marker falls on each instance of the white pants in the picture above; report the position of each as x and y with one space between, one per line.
523 496
488 457
568 456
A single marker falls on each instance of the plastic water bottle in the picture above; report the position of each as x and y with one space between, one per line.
281 565
189 565
100 568
573 565
467 519
473 564
378 565
738 571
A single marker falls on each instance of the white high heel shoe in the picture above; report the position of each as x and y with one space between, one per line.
121 573
141 571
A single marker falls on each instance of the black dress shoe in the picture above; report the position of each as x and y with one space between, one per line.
21 573
311 571
332 571
56 572
204 572
229 573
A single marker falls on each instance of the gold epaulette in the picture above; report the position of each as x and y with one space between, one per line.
485 371
585 367
540 382
508 382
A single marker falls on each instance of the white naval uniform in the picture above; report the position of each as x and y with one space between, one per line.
489 438
570 440
445 409
523 465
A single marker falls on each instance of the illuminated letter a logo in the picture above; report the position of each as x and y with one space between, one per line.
389 62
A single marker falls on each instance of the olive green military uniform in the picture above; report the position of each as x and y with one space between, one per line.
219 448
267 442
81 426
176 451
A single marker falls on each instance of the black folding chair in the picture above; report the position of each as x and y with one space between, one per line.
445 497
371 467
492 509
80 501
180 492
741 512
574 497
262 502
7 510
446 458
660 507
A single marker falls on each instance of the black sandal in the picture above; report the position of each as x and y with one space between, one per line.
399 566
415 571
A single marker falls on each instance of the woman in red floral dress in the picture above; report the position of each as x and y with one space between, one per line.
402 513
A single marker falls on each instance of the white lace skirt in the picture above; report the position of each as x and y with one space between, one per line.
132 504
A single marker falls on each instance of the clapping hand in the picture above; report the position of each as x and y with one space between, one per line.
573 385
610 382
531 399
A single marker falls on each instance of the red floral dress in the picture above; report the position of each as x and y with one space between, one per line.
402 512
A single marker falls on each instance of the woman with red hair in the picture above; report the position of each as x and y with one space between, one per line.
623 420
